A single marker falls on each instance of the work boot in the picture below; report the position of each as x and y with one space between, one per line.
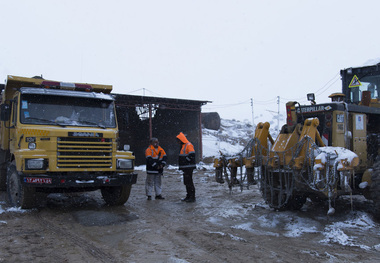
185 199
149 197
190 200
160 197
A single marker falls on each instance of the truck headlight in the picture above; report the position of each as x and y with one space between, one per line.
32 145
124 164
35 164
31 142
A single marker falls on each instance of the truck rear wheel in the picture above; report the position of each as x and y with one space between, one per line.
116 195
3 179
19 195
3 170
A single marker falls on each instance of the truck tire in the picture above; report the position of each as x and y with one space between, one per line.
3 179
19 195
116 195
3 170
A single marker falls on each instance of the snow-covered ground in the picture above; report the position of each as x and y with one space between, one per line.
347 230
231 139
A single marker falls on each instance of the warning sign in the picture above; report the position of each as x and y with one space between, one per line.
355 82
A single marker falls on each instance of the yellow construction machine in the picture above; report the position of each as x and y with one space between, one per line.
323 151
60 137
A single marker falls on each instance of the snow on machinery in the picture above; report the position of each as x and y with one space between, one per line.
226 167
323 152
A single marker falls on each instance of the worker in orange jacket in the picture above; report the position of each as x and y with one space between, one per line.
155 163
186 162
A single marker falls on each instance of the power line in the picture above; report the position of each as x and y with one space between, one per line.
326 86
320 91
267 102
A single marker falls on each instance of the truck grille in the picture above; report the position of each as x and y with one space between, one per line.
84 152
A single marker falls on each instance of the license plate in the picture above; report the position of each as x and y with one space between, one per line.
36 180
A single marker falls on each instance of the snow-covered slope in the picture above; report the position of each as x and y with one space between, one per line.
230 139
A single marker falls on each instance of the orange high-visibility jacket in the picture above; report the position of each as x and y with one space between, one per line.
155 159
186 158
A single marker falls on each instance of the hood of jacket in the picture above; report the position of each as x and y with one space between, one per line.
182 137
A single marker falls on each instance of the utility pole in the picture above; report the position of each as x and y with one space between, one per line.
278 115
253 116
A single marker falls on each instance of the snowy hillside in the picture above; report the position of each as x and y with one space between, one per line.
230 139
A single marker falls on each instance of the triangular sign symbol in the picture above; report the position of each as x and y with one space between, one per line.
355 82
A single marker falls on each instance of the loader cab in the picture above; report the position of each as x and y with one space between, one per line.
361 85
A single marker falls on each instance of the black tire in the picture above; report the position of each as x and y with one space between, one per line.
19 195
3 170
116 195
375 191
274 194
3 179
317 199
276 200
296 202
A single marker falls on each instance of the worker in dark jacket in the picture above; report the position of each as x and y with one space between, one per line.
155 162
186 162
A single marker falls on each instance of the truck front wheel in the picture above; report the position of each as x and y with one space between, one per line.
116 195
19 195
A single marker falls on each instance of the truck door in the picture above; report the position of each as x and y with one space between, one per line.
13 125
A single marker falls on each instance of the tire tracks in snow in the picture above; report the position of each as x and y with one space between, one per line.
91 249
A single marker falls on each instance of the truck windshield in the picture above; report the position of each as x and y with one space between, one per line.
66 111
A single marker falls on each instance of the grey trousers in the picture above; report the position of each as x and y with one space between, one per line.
153 180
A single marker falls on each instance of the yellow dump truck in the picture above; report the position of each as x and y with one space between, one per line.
61 137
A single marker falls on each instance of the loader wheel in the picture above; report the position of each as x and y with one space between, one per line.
116 195
375 192
274 190
273 198
296 202
19 195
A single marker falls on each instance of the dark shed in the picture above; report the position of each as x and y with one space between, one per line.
143 117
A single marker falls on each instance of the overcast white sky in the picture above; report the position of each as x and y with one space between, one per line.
222 51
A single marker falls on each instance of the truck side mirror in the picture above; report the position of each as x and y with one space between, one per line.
5 112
